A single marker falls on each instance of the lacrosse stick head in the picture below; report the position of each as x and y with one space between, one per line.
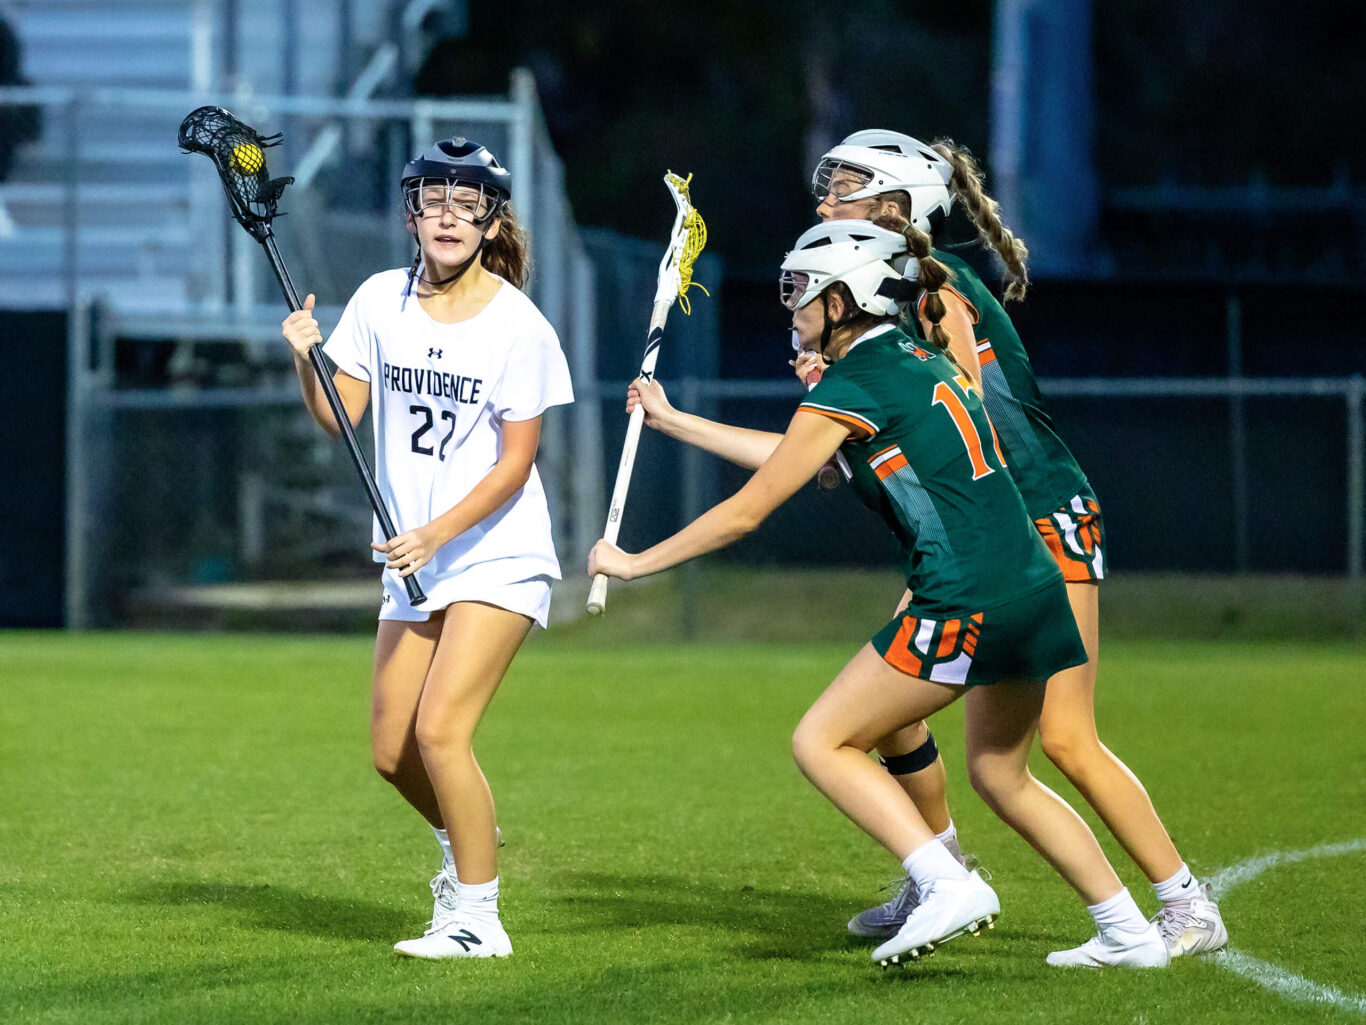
238 151
685 245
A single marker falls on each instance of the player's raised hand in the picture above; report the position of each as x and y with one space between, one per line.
301 330
807 361
658 411
609 559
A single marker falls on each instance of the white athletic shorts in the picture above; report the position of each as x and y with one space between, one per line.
529 598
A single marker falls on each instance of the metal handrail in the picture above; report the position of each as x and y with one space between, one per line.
477 108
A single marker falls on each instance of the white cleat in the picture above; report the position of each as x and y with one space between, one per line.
459 936
1192 926
948 908
1114 948
885 921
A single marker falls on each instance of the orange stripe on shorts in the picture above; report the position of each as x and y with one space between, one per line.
949 639
1074 571
901 655
1049 532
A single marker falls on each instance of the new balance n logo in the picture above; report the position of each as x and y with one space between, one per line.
464 937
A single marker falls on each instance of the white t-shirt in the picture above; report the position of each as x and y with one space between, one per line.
439 394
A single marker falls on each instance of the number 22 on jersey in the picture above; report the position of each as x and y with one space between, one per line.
945 395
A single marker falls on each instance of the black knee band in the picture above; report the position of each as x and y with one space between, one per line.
921 758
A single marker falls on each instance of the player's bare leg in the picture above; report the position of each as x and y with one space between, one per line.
1067 731
1001 722
903 755
1190 922
868 700
477 645
928 787
403 656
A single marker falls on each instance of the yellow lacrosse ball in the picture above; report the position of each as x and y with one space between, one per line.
247 158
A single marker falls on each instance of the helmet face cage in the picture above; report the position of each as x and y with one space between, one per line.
843 180
886 162
470 201
858 253
792 289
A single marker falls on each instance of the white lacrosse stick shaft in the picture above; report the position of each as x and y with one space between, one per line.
597 594
670 281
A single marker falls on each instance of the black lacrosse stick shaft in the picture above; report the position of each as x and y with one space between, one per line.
237 151
315 356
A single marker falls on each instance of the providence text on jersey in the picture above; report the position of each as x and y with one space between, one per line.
433 382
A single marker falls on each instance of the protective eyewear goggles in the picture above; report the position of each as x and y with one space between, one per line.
472 202
838 179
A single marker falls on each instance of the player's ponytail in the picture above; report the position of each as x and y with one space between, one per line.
933 274
894 215
966 184
509 254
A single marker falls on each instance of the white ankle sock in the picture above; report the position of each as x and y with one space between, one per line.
447 860
949 838
1119 912
932 861
1181 886
479 899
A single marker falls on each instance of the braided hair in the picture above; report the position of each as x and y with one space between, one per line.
894 215
966 185
932 274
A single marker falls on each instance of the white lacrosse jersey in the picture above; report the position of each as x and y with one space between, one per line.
439 395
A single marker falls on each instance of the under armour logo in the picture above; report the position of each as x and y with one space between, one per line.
464 937
433 353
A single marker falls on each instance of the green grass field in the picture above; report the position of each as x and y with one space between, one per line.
191 832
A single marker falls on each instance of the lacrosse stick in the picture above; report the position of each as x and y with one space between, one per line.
675 278
238 151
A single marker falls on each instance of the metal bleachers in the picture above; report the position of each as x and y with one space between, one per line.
102 204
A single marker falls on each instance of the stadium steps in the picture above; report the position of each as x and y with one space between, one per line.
131 176
135 246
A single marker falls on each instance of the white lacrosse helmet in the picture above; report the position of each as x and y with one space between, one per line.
860 254
875 161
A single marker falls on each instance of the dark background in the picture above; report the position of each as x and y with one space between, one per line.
746 94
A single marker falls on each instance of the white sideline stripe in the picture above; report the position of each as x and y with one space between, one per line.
1245 871
1287 983
1270 976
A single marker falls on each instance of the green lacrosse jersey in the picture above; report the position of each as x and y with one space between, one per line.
1044 469
922 455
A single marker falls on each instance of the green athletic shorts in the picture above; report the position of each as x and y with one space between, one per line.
1030 638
